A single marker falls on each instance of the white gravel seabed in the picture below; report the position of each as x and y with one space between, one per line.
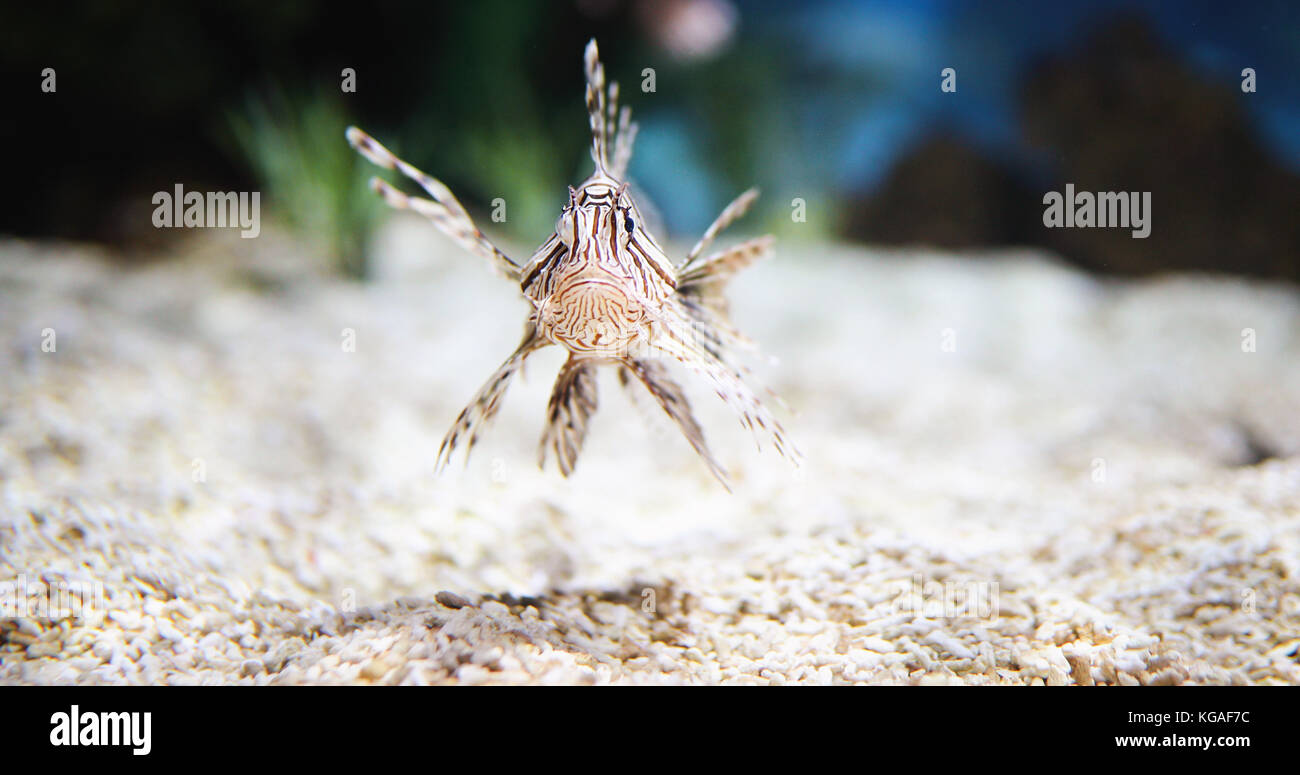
1084 459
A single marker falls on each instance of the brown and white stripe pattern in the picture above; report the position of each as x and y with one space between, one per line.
602 288
444 209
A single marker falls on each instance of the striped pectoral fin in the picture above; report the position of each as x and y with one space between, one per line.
573 402
673 401
718 268
475 416
738 207
446 212
707 310
687 344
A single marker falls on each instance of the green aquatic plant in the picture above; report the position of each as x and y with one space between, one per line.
317 188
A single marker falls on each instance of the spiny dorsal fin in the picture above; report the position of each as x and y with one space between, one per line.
613 131
596 107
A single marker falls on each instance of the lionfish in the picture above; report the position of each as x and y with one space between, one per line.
602 288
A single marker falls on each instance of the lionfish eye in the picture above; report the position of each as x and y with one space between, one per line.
628 223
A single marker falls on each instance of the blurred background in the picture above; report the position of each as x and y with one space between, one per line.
238 436
834 102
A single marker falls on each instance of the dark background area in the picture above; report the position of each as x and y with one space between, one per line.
834 102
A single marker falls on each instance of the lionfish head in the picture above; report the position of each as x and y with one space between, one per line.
599 218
